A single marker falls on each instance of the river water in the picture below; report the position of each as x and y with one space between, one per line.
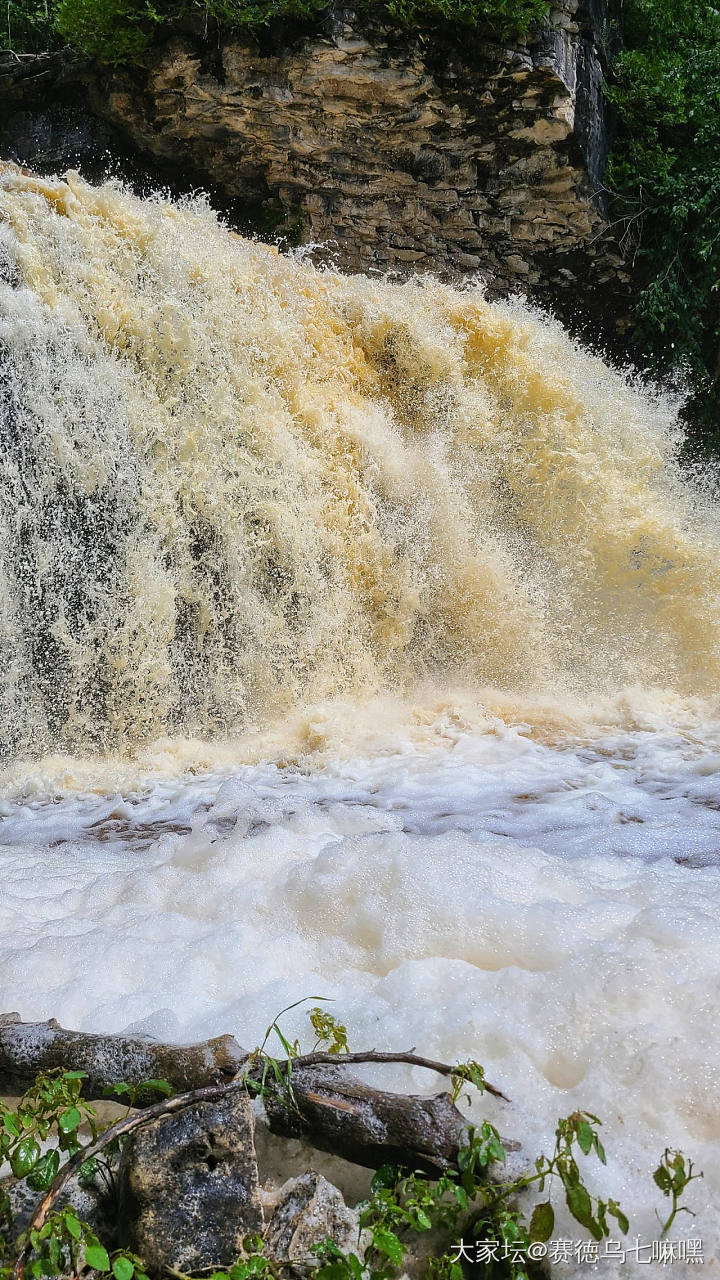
359 640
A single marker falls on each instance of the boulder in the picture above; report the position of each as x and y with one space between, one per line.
189 1188
90 1202
308 1210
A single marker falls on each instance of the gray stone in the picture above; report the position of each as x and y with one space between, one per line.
189 1186
309 1210
90 1205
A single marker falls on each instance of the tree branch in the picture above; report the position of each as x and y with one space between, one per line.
255 1070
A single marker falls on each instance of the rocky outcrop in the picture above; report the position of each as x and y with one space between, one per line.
387 150
308 1210
190 1190
394 151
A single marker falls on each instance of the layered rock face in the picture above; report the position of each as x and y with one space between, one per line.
387 150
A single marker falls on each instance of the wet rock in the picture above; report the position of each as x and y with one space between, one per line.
308 1210
91 1204
189 1186
359 138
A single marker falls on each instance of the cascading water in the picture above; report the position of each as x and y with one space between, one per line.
234 483
418 589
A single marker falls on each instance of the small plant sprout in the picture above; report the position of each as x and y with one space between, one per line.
674 1173
467 1073
330 1033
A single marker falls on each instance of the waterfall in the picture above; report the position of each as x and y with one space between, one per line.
232 483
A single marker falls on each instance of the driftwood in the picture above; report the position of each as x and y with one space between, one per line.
29 1047
339 1113
312 1097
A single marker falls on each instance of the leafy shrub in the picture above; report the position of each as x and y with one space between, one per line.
112 30
117 31
503 18
29 25
664 173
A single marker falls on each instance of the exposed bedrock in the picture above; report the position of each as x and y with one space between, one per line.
383 150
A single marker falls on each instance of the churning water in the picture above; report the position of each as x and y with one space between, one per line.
356 639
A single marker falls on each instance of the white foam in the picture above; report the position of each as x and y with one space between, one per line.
552 911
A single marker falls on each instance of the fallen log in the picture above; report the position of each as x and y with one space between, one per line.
29 1047
339 1113
313 1097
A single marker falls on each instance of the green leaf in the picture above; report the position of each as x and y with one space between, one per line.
74 1075
616 1212
386 1242
332 1271
44 1171
73 1225
542 1221
580 1205
96 1256
26 1156
161 1086
584 1137
355 1266
69 1120
385 1177
120 1090
123 1268
11 1124
88 1170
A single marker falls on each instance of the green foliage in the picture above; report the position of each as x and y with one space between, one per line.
664 176
112 30
65 1245
53 1109
467 1073
503 18
331 1035
672 1176
251 1263
403 1205
29 26
119 31
235 14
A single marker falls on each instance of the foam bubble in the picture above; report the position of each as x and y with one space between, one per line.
551 910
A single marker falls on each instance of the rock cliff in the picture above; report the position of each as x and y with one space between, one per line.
391 151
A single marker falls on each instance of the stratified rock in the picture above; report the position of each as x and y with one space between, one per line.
382 148
309 1210
189 1186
